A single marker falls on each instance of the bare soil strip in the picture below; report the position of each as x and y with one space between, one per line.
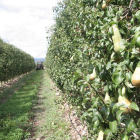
77 128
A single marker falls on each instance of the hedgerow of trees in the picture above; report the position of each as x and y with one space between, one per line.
93 58
13 61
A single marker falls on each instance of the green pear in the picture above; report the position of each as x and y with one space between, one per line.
104 5
135 79
93 75
100 135
107 98
117 39
127 104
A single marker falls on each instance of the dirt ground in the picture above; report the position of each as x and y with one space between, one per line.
77 129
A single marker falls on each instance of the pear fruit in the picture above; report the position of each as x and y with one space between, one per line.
107 98
104 5
71 59
117 39
100 135
123 90
126 102
97 5
93 75
135 79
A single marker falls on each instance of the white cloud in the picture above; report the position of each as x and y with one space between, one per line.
23 24
29 3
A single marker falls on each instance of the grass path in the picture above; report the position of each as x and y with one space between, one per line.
15 111
48 121
30 110
6 92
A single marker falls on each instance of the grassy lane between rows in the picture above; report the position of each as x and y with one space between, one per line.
6 92
32 110
49 122
15 112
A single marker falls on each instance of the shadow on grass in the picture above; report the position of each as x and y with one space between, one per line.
14 113
5 93
37 110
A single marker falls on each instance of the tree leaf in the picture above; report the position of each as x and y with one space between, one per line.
118 77
134 106
106 88
97 114
138 14
113 126
82 88
126 55
124 137
108 66
118 115
86 99
87 78
96 123
128 76
105 110
108 134
95 102
80 82
115 106
130 125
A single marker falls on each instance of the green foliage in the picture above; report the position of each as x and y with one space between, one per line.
81 40
13 61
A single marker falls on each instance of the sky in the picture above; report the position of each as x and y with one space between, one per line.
23 23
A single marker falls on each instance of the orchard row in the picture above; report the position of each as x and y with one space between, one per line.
94 59
13 61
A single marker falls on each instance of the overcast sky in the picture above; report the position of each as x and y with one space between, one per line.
23 22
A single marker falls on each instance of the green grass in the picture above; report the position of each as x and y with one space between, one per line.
5 92
54 127
14 113
33 95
